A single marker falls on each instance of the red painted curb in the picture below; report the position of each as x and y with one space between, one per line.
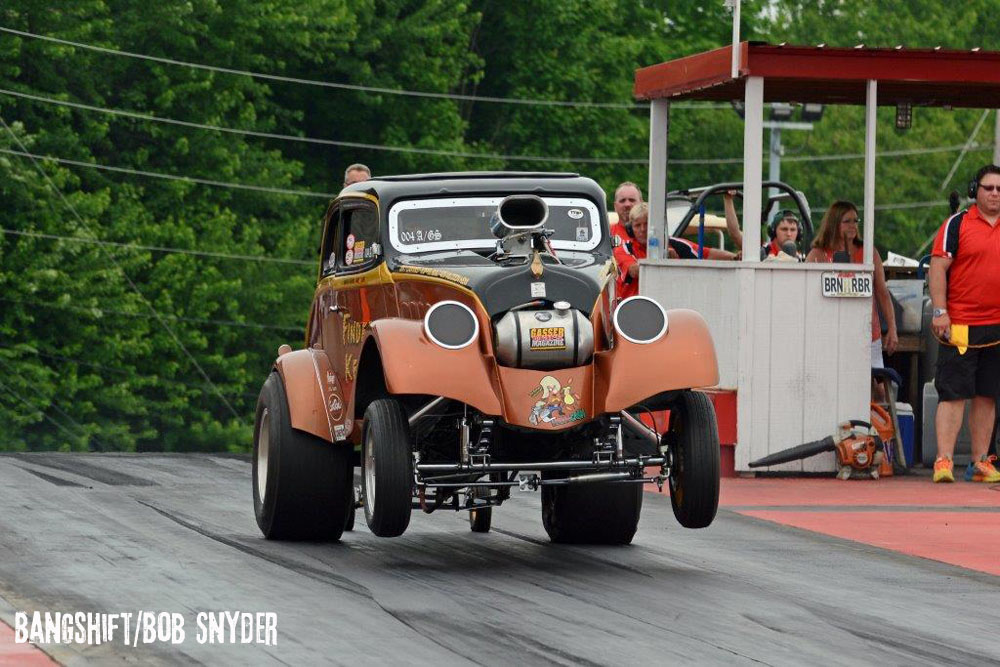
965 539
895 491
15 655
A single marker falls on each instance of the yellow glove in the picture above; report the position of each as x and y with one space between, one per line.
960 337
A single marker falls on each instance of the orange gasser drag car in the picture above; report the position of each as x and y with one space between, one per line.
464 339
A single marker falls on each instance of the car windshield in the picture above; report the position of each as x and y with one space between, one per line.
426 225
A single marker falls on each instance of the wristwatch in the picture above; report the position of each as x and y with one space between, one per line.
938 312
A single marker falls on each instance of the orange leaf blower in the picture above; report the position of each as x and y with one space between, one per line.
857 444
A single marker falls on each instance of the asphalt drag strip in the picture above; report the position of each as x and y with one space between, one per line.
176 534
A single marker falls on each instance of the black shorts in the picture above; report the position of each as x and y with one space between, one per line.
975 373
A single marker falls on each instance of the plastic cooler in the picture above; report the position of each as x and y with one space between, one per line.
904 415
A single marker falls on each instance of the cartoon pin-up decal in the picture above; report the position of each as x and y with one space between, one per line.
556 405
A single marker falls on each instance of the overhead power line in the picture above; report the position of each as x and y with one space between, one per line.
40 412
323 142
49 419
343 86
93 165
462 154
916 204
902 152
136 246
135 288
178 318
121 371
169 177
965 149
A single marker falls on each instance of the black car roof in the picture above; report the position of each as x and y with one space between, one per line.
390 188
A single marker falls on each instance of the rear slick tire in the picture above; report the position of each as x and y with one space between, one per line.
387 468
594 513
694 469
300 489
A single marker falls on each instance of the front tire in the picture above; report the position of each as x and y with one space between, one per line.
594 513
387 468
694 470
299 489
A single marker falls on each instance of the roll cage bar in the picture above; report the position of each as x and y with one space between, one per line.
697 196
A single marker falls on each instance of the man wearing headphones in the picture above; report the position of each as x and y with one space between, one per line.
784 232
784 229
964 285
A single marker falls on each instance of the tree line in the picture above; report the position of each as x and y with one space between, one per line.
140 311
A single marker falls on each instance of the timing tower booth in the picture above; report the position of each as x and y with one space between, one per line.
797 360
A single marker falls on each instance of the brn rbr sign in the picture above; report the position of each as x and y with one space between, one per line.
847 284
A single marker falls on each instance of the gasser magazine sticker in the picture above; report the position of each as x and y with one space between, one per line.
556 405
547 338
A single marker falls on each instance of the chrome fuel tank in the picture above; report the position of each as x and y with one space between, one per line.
560 337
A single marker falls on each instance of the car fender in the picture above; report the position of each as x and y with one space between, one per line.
413 364
304 374
683 358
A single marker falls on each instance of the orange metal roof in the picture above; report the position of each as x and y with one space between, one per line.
924 77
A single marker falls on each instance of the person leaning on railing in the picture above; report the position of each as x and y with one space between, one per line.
783 232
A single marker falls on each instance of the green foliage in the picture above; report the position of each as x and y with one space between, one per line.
105 347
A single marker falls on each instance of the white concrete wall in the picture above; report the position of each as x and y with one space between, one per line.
800 361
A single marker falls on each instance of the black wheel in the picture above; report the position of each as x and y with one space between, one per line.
299 489
694 470
480 519
595 513
387 468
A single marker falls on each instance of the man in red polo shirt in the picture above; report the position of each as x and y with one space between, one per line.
964 280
